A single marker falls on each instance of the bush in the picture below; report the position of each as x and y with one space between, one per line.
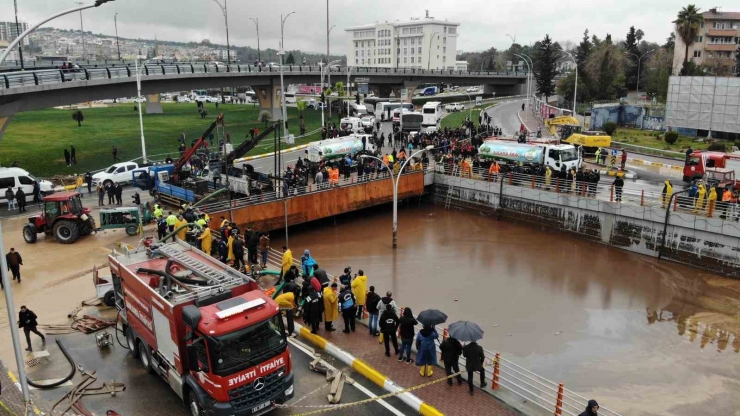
671 137
717 147
264 117
609 127
737 144
78 117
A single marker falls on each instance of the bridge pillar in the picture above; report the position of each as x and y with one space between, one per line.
382 90
411 87
4 121
270 100
153 105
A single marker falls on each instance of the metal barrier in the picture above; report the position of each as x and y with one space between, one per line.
651 151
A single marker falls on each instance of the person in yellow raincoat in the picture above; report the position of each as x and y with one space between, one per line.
548 176
667 192
286 303
359 289
180 222
331 307
205 240
699 206
711 201
287 260
230 245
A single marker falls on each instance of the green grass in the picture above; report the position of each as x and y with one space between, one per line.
654 140
455 120
37 139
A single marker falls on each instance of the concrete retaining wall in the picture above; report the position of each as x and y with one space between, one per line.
710 243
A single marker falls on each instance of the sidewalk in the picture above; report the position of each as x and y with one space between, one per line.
450 400
11 399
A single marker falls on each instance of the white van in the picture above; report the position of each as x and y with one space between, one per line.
384 110
17 177
353 124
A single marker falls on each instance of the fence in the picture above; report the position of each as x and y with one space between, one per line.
503 373
650 151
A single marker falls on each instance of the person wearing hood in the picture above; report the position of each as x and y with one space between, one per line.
426 355
286 302
711 201
700 195
359 288
474 358
331 310
407 324
389 326
372 309
181 222
726 200
320 274
346 278
667 192
206 240
386 303
348 308
307 263
451 349
287 260
592 409
314 309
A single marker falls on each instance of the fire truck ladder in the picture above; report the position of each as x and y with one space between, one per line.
217 278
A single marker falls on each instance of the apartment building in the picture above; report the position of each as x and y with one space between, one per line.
715 45
425 43
9 31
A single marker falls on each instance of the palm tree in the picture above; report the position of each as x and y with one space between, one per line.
687 27
301 106
78 117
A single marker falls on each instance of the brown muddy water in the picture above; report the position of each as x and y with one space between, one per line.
642 336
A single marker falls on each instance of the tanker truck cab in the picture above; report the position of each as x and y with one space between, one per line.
330 149
207 330
563 154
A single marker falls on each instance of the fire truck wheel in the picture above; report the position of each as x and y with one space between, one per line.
109 299
131 341
146 357
193 404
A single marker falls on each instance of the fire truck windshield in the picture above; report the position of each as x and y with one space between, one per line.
247 347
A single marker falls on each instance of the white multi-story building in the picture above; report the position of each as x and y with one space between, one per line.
425 43
9 31
224 54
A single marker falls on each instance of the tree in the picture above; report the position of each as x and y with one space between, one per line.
545 62
687 25
633 54
737 62
583 51
566 87
264 117
670 42
671 137
658 69
339 87
609 127
301 107
605 69
290 60
78 117
639 35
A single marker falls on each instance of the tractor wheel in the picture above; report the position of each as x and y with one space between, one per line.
87 227
66 232
29 233
132 230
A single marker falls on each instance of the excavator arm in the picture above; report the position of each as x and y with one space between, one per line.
190 152
248 145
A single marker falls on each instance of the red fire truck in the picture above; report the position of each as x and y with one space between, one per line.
696 164
209 331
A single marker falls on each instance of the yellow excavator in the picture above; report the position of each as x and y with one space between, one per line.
568 129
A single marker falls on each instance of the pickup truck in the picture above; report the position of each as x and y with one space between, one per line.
118 172
452 107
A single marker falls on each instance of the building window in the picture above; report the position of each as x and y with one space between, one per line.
405 50
404 59
444 41
405 42
419 49
444 59
413 40
362 53
357 53
357 61
412 51
420 29
412 59
444 50
698 39
697 54
412 30
445 29
405 31
398 51
452 31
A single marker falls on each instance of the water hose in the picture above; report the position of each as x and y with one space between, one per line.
220 191
65 379
118 319
173 233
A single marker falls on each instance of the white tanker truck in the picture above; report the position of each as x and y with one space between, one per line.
331 149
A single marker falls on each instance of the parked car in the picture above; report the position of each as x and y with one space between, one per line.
455 88
15 178
310 103
452 107
184 99
213 100
368 122
117 172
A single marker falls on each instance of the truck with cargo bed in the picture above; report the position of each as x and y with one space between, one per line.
554 155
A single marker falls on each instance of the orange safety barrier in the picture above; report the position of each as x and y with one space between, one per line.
559 403
583 189
675 204
510 178
496 370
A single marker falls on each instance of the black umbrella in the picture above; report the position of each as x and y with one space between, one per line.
465 331
431 317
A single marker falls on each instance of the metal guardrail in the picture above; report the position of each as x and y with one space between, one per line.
19 79
670 154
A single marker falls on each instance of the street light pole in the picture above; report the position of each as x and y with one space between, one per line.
141 118
395 181
513 38
115 22
18 32
20 37
575 92
322 71
282 87
429 57
639 61
328 71
82 30
529 84
225 11
257 25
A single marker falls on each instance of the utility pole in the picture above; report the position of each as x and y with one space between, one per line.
82 29
225 11
18 33
115 22
257 24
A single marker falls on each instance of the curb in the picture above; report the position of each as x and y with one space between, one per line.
628 175
656 164
368 372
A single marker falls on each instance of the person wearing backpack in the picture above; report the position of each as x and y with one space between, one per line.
389 326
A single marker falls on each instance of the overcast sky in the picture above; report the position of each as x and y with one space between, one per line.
484 23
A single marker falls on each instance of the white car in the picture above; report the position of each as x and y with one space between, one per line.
139 100
213 100
184 99
472 89
118 172
452 107
368 122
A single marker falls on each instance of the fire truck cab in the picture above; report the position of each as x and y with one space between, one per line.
697 163
209 331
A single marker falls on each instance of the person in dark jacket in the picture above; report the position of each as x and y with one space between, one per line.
474 357
320 274
20 199
73 155
118 189
451 350
407 324
389 326
88 180
373 312
111 193
27 321
36 192
253 241
238 248
348 307
313 309
618 185
66 157
346 278
592 409
161 228
14 261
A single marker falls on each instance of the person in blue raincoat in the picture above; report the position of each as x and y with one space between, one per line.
426 357
307 262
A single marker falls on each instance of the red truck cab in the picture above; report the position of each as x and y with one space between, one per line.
696 164
209 331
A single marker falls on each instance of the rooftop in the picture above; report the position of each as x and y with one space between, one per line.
714 14
398 23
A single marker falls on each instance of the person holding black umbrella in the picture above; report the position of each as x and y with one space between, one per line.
474 357
451 350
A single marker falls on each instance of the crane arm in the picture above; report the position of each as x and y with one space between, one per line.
248 145
190 152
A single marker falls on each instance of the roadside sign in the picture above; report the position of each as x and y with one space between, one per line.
359 80
363 88
290 139
404 94
478 100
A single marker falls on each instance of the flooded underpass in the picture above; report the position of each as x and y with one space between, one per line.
641 336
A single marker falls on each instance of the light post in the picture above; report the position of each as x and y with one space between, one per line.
257 25
20 37
18 32
322 70
348 90
139 99
82 30
471 105
429 57
395 181
328 74
225 11
282 87
639 61
513 38
115 22
529 74
575 92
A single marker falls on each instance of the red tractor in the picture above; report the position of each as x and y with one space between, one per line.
62 216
